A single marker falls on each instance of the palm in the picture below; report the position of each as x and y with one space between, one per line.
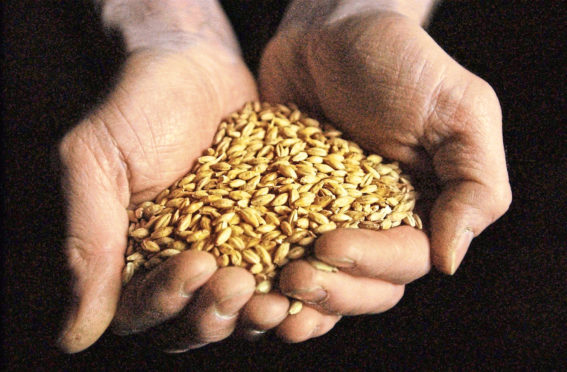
171 106
374 76
380 78
160 117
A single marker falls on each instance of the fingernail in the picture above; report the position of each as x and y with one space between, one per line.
190 285
176 351
313 295
121 332
253 334
460 250
344 262
126 332
179 351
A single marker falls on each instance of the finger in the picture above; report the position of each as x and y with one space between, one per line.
263 312
398 255
338 292
468 155
306 324
212 315
96 234
162 294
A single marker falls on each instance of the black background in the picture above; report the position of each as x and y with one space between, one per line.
505 307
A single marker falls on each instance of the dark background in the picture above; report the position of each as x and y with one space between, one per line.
505 307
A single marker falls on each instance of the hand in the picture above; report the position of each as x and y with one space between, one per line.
161 115
374 269
377 75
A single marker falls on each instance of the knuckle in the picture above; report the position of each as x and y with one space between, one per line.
64 147
485 90
354 38
67 148
493 201
479 103
463 104
487 103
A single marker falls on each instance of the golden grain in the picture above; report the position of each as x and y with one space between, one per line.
270 185
295 307
264 286
320 265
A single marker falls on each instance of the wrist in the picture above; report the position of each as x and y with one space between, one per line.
168 24
305 13
416 10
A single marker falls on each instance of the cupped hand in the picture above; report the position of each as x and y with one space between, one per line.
159 118
373 271
381 79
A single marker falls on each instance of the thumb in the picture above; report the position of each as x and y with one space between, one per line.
469 159
96 233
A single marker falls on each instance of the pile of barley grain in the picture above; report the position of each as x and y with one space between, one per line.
273 181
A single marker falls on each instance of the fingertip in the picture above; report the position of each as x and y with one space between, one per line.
230 288
84 327
74 341
96 290
212 314
234 278
162 293
68 344
400 254
194 268
199 260
306 324
448 261
459 214
185 272
460 250
265 311
298 328
296 276
66 341
337 245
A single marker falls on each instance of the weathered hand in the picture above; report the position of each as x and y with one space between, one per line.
159 118
374 269
379 77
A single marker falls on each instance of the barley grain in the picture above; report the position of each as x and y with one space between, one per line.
273 178
295 307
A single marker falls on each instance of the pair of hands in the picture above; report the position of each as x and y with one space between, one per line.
376 74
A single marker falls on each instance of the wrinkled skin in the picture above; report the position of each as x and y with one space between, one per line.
380 78
387 84
432 115
160 117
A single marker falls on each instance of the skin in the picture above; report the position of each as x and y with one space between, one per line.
184 73
372 70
